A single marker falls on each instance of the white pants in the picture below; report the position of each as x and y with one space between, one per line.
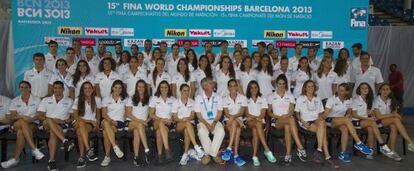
211 147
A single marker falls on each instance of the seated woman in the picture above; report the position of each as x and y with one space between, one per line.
86 111
362 118
113 114
183 114
234 106
309 109
386 110
281 107
137 116
337 115
23 113
160 111
255 114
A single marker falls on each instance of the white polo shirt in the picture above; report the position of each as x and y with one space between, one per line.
23 109
325 84
163 77
246 77
356 62
66 80
234 106
172 64
105 82
359 105
314 64
255 107
163 108
50 62
122 69
309 109
58 110
265 83
222 79
131 80
198 75
94 64
150 65
4 106
300 77
82 80
139 111
383 107
280 105
89 115
338 108
288 74
183 110
345 78
204 105
39 81
116 109
372 76
293 63
179 80
72 69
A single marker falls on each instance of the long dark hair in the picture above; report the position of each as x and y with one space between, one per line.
77 75
208 70
395 106
308 71
340 67
343 49
124 93
158 92
232 73
128 54
242 67
155 72
81 99
153 51
194 62
284 78
248 94
269 66
113 64
370 95
187 71
136 98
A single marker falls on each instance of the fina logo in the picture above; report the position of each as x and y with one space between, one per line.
224 33
358 17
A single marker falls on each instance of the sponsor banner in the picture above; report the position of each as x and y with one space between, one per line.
321 34
307 44
359 18
298 34
333 44
193 42
289 44
199 32
279 34
62 30
224 32
156 42
175 32
96 31
62 41
122 31
109 42
243 43
130 42
215 43
254 42
86 41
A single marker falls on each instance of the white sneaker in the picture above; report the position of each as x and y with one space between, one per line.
200 152
118 152
184 159
396 157
386 151
193 154
106 161
37 154
9 163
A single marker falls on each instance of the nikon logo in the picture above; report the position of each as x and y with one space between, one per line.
274 34
175 32
70 30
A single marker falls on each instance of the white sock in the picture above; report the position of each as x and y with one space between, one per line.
359 142
146 150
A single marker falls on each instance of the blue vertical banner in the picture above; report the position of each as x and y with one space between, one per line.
325 23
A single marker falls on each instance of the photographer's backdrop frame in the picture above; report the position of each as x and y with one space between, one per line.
323 23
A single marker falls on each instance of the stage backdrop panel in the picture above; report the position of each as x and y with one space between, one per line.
323 23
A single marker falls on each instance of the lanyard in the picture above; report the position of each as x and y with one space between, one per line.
63 80
205 105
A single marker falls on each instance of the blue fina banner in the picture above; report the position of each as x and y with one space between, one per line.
323 23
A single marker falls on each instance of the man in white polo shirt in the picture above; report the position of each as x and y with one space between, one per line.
52 56
366 73
209 107
54 112
39 76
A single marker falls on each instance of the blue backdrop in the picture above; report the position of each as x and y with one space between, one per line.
329 23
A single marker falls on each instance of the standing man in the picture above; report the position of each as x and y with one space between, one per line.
209 109
396 80
39 76
52 56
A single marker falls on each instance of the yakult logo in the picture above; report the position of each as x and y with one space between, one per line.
298 34
93 31
200 33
